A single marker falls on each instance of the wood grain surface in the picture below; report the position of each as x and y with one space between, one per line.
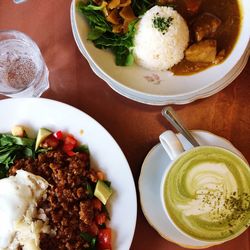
136 127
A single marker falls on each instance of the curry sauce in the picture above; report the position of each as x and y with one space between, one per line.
227 11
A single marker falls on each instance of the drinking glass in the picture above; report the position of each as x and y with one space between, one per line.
23 72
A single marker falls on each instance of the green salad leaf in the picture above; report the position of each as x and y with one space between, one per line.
141 6
92 240
96 20
102 36
12 147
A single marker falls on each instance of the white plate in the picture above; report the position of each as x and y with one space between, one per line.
105 153
152 170
154 87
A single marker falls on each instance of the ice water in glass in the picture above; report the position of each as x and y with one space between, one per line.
23 72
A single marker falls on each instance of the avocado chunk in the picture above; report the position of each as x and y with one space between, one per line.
102 191
41 135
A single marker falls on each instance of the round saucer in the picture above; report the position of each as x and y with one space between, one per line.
152 170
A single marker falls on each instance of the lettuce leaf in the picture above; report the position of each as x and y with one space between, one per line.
13 147
102 36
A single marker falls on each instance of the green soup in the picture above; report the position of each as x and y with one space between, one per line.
207 194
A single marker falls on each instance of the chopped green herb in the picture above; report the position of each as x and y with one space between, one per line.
89 190
108 183
161 23
86 236
102 226
93 243
90 239
105 210
82 148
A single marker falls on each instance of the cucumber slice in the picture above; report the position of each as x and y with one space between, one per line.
102 191
41 135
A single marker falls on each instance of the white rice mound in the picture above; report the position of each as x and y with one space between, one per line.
156 50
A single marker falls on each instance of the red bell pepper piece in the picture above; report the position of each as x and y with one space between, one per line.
100 218
58 135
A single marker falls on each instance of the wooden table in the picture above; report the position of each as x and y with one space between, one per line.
134 126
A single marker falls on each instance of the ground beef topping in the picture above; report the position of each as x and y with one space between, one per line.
69 203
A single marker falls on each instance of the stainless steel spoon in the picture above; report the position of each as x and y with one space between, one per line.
171 116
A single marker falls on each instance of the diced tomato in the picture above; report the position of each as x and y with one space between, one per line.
70 140
70 153
93 229
97 204
58 135
101 218
69 144
104 239
67 147
50 142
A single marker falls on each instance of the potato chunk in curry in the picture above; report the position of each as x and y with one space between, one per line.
203 51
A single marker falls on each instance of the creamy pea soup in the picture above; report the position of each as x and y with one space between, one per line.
207 194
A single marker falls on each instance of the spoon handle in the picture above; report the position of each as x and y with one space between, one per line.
171 116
